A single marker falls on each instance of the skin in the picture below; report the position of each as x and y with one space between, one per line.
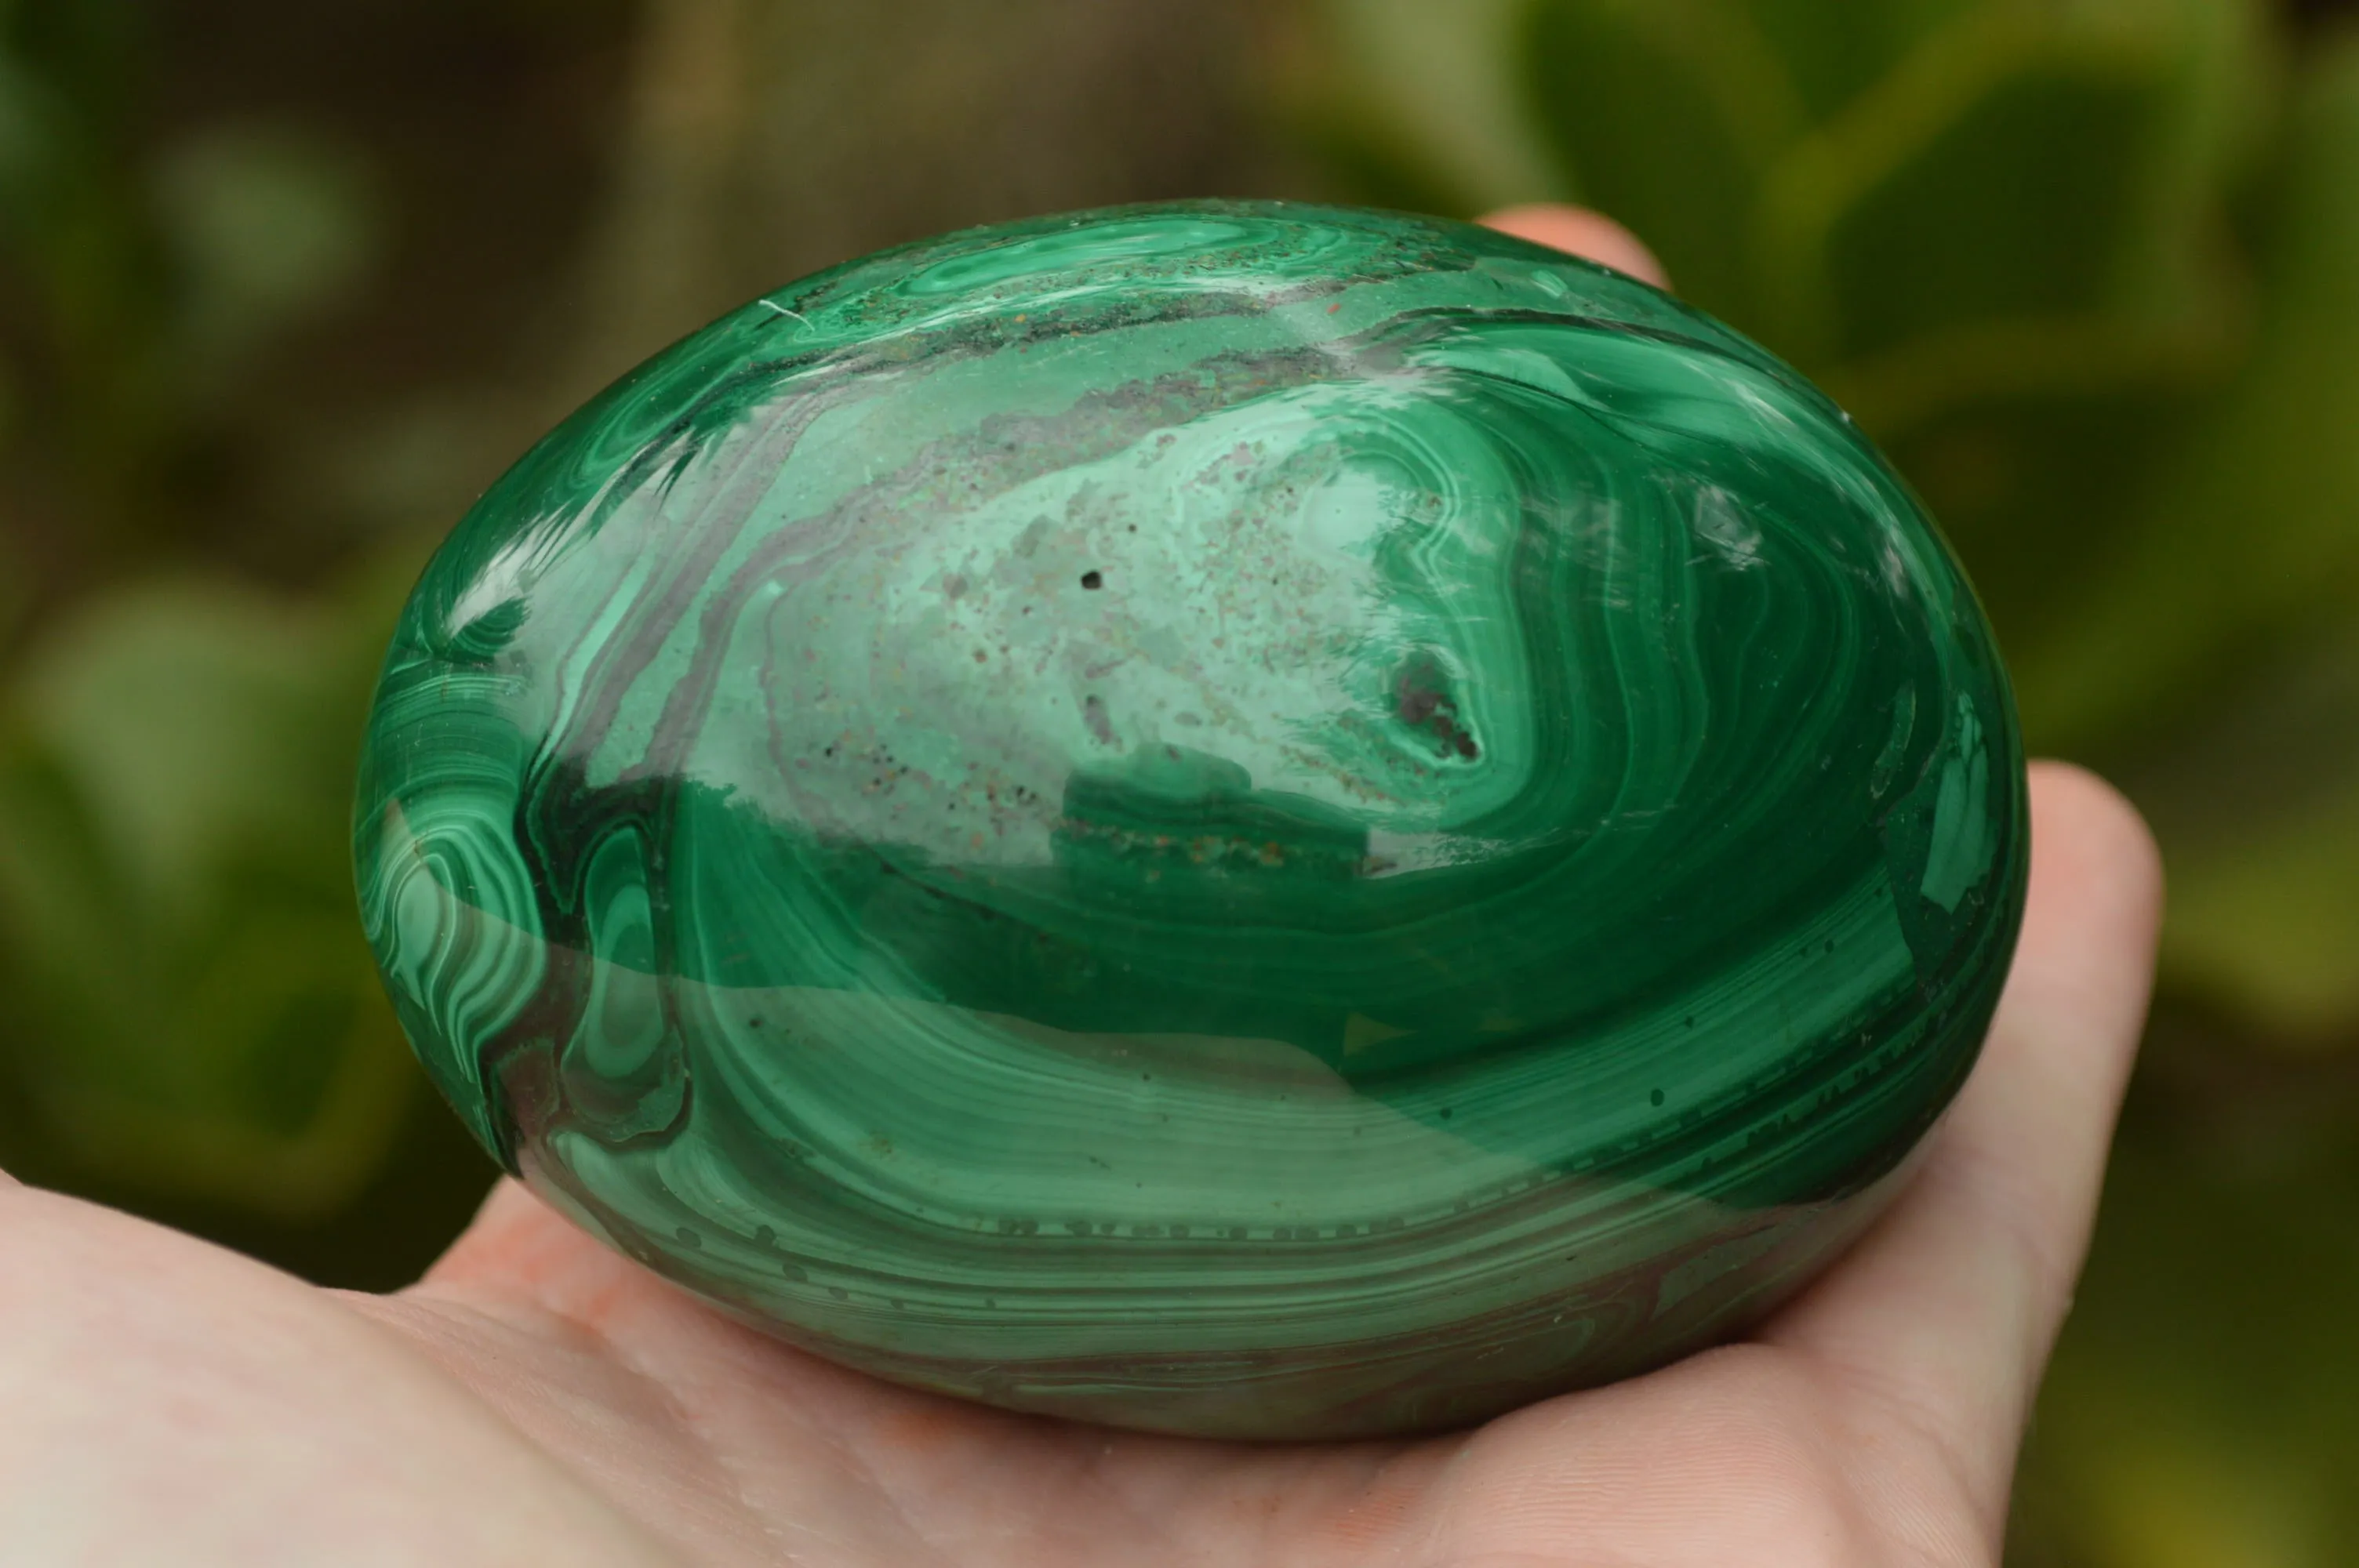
538 1400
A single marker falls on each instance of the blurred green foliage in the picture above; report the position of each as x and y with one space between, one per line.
164 769
198 556
2089 271
283 286
173 871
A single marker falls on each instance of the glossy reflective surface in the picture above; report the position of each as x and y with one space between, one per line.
1233 818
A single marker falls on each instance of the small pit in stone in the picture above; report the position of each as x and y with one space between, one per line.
1422 701
1093 580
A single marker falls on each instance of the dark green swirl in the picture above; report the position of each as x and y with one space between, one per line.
1232 818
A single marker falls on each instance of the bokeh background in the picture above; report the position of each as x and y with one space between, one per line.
284 285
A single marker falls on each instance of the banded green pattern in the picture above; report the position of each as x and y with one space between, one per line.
1235 819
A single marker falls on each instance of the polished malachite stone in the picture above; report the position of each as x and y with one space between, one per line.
1232 819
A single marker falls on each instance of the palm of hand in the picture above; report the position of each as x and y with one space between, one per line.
539 1400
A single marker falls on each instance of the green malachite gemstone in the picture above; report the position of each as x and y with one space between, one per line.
1232 819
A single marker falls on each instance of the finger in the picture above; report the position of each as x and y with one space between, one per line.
1585 233
1946 1311
518 1244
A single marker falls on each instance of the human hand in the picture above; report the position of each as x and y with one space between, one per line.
539 1400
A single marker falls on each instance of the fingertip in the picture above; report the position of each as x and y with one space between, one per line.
1581 232
2094 914
2086 832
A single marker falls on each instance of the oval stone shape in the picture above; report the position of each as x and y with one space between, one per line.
1231 819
